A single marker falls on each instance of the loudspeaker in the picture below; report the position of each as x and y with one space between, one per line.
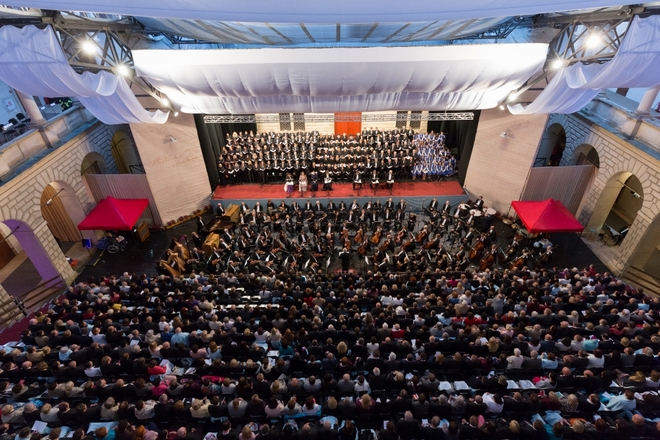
87 243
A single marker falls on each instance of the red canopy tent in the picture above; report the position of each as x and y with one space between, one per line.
546 216
114 214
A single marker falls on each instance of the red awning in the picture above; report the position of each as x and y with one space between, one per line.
546 216
114 214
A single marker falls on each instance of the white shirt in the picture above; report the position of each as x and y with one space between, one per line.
492 406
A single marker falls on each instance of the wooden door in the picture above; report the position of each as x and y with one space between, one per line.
6 252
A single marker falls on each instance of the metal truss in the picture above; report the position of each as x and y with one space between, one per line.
110 36
585 41
111 40
223 119
498 32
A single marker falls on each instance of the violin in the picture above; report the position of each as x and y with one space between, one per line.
421 236
430 243
359 236
399 236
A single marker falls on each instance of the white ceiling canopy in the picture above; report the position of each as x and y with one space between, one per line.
305 11
245 81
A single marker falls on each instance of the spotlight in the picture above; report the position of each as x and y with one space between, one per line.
512 97
165 101
123 70
557 64
89 47
501 106
176 114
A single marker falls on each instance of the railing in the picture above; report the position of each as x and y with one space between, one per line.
31 143
540 161
39 290
136 168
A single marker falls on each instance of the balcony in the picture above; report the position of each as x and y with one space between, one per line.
616 113
19 153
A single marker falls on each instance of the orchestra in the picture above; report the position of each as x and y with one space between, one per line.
387 236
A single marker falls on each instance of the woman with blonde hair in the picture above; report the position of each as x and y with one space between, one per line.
246 433
365 405
493 345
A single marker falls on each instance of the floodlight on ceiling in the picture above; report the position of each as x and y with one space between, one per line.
594 40
557 64
88 46
123 70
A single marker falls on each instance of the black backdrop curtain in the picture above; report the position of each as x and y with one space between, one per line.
212 140
459 137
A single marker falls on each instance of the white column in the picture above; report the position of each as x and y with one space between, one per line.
32 109
647 101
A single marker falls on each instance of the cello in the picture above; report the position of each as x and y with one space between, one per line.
383 247
363 247
359 236
376 237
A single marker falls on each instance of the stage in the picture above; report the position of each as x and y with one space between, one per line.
416 194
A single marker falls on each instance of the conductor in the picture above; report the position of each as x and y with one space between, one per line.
345 258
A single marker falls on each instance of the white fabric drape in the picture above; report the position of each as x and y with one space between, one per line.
634 65
305 11
245 81
32 61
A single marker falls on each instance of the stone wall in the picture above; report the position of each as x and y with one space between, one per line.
616 156
21 196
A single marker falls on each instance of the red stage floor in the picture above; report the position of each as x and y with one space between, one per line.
403 189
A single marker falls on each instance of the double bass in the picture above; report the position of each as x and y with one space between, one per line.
487 261
475 250
518 262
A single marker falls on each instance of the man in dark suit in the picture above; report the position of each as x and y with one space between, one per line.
408 427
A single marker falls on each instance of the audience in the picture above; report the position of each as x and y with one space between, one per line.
297 364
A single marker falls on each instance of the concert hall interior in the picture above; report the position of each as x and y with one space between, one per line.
329 221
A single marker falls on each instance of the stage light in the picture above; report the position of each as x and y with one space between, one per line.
512 97
89 47
501 106
557 64
165 101
176 114
123 70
